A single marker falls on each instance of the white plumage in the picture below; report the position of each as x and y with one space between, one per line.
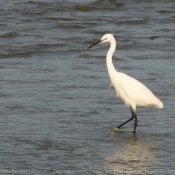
130 90
134 93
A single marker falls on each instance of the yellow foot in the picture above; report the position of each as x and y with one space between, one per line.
116 130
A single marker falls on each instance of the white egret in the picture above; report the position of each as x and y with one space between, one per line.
130 90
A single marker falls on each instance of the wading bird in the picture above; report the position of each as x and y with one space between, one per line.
130 90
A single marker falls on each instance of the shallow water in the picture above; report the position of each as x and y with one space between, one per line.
57 112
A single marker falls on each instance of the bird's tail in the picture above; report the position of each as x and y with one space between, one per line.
158 104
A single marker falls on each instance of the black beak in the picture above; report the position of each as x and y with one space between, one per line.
99 41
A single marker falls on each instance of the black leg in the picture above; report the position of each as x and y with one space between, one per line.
133 116
135 123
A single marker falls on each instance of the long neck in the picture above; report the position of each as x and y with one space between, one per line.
110 66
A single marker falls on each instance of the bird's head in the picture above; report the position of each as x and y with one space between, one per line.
106 38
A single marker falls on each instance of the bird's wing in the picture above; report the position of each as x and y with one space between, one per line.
136 91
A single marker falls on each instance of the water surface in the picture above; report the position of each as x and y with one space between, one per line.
57 112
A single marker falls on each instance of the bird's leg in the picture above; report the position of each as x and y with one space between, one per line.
135 123
125 122
133 116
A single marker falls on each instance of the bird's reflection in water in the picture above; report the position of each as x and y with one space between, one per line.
136 155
